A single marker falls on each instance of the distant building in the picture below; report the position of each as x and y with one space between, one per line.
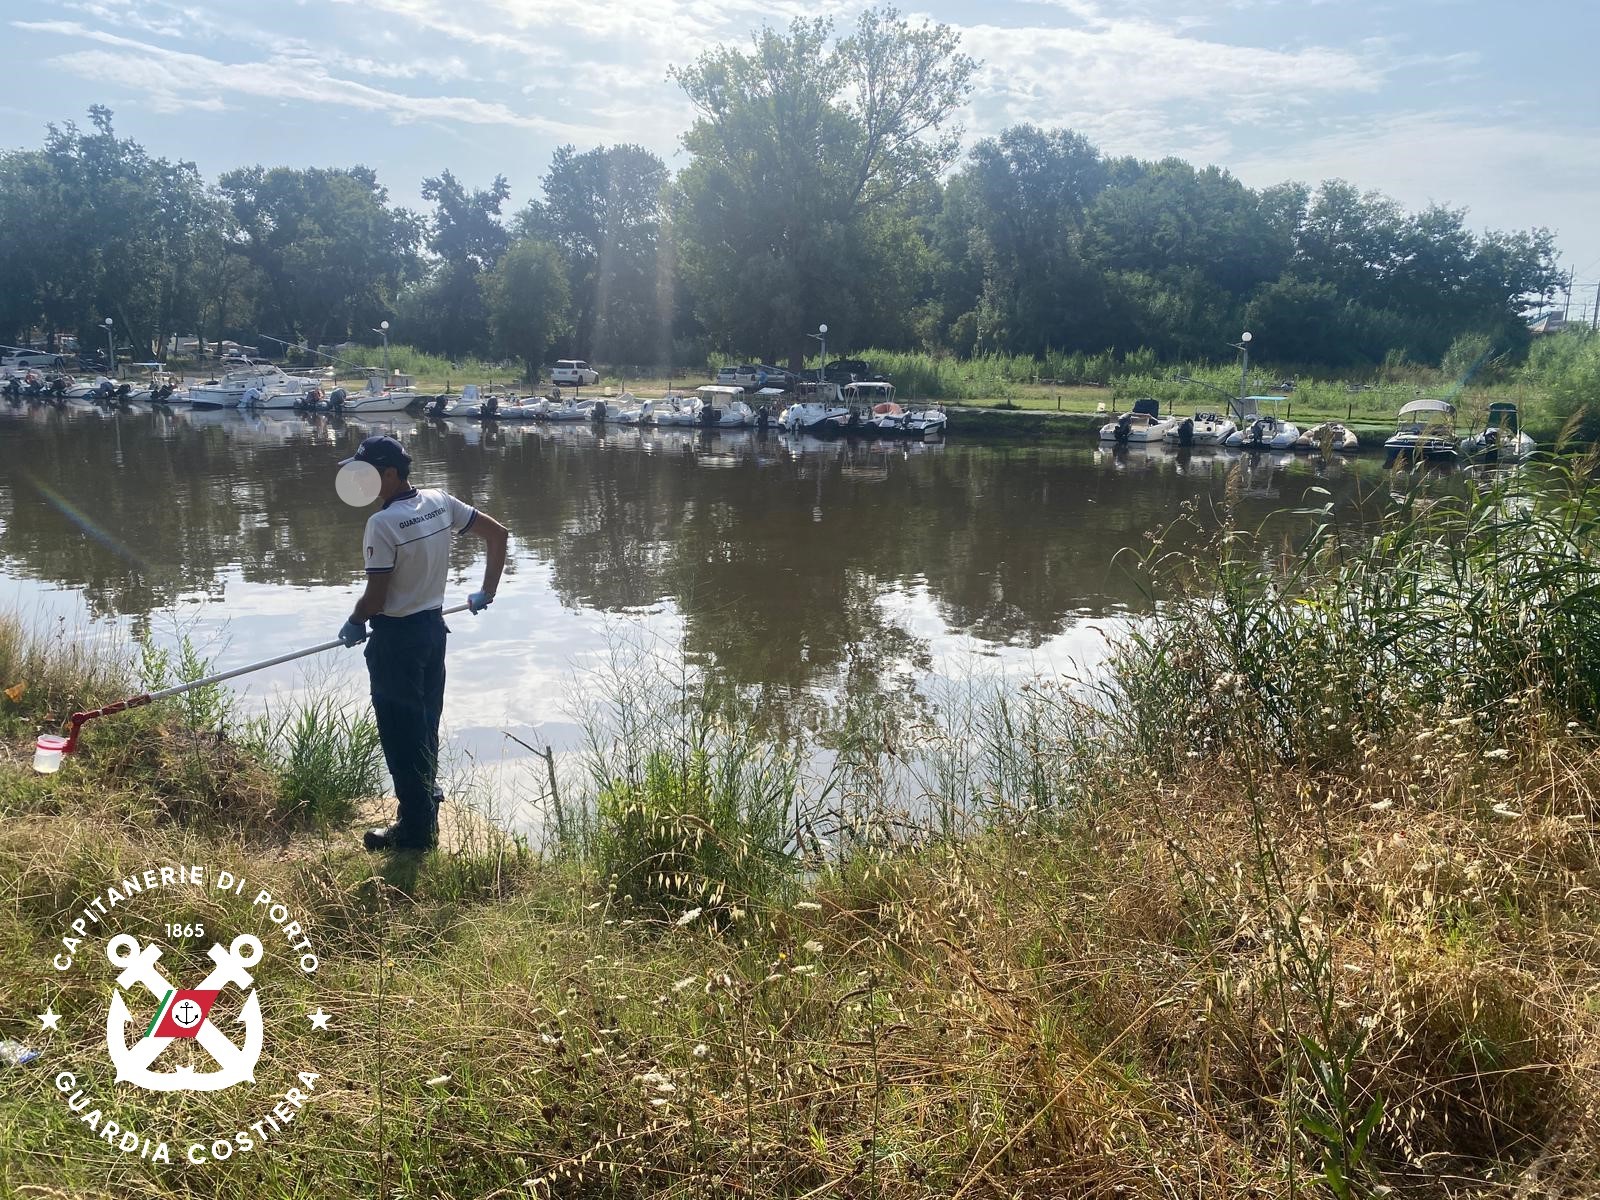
1550 322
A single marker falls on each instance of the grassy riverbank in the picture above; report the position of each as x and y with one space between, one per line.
1300 897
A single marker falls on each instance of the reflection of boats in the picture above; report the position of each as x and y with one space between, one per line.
1501 439
1202 429
1425 431
1143 424
1329 436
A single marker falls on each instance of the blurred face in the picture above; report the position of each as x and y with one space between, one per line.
393 483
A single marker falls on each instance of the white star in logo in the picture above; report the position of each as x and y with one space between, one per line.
318 1019
50 1019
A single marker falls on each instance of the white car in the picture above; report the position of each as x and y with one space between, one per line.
23 360
572 372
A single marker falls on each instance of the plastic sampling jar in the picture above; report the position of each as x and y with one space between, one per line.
47 753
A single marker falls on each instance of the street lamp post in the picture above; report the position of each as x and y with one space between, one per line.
111 349
383 329
1243 346
822 336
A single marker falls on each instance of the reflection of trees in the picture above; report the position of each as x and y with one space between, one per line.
778 558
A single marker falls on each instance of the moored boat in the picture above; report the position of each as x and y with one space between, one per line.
1202 429
1425 431
1328 437
1501 439
1143 423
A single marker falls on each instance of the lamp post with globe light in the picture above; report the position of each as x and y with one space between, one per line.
383 330
822 336
1243 346
111 349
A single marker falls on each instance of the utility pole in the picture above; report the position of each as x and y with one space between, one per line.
1594 319
1567 309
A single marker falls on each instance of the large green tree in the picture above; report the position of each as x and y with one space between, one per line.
445 312
603 208
91 226
529 302
802 148
331 251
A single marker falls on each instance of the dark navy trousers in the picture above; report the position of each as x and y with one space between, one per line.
405 661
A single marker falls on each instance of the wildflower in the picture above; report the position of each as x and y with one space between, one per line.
1381 805
807 906
438 1079
1505 810
701 1050
813 947
1497 752
686 981
689 916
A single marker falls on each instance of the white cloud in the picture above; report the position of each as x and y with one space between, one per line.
175 80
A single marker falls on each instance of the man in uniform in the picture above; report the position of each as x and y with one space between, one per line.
407 559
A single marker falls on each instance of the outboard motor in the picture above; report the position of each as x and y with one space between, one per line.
1124 426
14 388
1186 432
491 408
162 394
336 399
58 386
122 393
1258 435
1491 445
311 402
439 405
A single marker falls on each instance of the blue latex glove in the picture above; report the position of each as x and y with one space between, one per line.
479 601
353 633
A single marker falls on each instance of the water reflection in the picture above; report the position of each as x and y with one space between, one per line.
799 568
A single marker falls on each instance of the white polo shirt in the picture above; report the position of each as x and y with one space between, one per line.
410 538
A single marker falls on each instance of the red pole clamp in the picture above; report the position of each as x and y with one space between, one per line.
78 718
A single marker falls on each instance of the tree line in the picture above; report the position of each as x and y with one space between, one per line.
824 182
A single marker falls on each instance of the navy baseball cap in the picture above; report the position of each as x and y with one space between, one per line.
381 451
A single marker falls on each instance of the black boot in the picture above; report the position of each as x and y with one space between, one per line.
395 837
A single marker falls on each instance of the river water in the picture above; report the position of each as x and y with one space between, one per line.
806 572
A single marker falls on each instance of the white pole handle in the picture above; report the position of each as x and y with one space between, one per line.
264 664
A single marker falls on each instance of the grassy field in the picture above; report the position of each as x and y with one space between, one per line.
1300 897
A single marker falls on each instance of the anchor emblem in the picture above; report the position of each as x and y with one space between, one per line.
235 1064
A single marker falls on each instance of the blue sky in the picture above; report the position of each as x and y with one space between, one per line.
1485 105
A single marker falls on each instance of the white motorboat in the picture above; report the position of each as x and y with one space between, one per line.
1202 429
1263 432
723 407
815 416
926 422
1143 424
1330 435
1260 431
1501 439
399 395
229 391
677 410
1425 430
644 414
875 407
567 410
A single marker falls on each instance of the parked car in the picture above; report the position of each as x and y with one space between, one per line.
727 376
845 371
776 377
573 372
23 360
